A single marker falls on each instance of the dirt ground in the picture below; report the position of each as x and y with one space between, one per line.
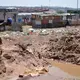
20 52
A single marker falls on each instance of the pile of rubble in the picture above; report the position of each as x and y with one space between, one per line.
64 48
20 52
15 57
2 64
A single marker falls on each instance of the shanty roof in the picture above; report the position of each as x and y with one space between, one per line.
51 11
46 14
8 9
11 8
54 14
65 14
23 14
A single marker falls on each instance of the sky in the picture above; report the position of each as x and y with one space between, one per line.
60 3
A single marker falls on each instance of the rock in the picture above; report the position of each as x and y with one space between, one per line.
25 77
6 35
0 51
21 76
0 41
7 56
78 61
2 67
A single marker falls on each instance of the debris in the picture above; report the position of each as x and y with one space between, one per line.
0 41
21 76
20 52
7 56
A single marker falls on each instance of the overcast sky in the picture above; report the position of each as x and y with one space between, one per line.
61 3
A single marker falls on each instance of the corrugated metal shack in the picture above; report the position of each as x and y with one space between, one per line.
25 17
5 13
49 20
45 20
8 12
11 12
76 17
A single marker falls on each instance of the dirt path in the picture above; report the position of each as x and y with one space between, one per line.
53 74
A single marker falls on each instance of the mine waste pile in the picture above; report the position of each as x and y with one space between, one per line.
67 48
33 51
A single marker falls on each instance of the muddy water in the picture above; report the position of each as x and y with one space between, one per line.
72 69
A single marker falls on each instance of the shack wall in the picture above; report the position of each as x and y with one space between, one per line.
47 21
8 14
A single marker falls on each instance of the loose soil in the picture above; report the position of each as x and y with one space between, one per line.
18 53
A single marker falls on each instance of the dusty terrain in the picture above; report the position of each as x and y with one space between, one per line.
20 52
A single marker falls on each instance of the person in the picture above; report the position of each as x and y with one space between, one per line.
9 21
19 20
67 23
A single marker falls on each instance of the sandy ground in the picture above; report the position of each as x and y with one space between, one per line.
27 53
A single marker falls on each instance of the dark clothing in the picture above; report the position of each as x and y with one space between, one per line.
67 23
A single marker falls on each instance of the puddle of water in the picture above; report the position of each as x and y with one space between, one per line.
72 69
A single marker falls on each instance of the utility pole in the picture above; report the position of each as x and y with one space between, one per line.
4 14
49 3
77 4
77 11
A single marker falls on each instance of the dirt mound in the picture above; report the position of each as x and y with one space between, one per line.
2 64
65 48
16 57
2 67
17 53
